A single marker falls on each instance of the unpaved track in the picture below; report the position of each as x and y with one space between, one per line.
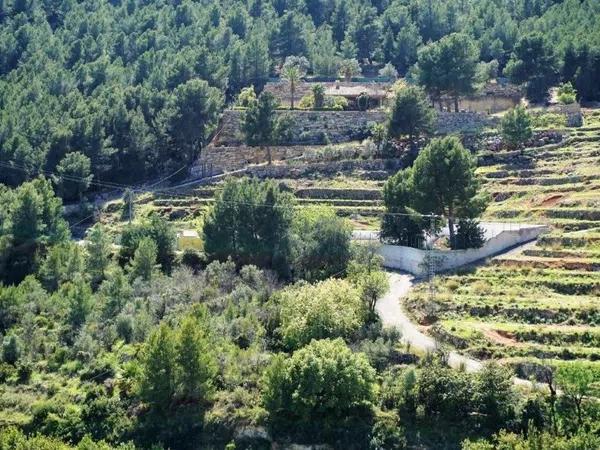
392 314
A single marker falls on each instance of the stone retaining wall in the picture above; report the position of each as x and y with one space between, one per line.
309 127
336 193
379 169
225 159
462 122
415 261
228 151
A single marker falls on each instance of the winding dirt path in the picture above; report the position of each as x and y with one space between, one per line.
392 314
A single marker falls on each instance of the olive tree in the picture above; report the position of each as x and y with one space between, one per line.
321 385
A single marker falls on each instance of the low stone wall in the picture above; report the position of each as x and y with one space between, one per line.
225 159
228 151
462 122
309 127
376 169
323 127
415 261
337 193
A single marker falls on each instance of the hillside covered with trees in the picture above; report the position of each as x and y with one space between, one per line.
266 333
136 87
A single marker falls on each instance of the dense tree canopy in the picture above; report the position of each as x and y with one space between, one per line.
136 86
321 385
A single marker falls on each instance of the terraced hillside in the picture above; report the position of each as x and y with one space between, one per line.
353 188
540 302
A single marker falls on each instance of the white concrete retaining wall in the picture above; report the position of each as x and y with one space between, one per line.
414 260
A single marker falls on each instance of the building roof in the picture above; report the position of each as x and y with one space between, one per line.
189 233
354 90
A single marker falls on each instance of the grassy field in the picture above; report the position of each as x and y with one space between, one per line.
541 302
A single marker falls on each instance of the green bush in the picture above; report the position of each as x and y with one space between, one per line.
567 94
516 127
319 389
11 349
329 309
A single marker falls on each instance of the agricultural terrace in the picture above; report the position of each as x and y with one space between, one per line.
541 301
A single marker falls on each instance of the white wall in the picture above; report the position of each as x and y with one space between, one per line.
413 260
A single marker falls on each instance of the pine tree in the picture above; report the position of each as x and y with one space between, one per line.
159 370
256 59
98 253
144 260
197 365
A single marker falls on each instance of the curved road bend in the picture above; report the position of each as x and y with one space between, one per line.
392 314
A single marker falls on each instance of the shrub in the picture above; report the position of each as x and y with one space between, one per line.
389 71
329 309
11 349
24 372
362 102
516 127
468 235
246 97
321 243
318 94
193 259
567 94
307 102
337 103
319 388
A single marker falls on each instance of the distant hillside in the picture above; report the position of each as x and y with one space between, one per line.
116 80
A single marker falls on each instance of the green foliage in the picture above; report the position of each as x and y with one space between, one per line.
567 93
177 375
448 66
324 58
74 175
99 253
577 383
293 69
328 309
536 440
32 220
389 71
78 296
158 374
188 118
14 439
197 363
250 222
246 97
258 122
401 225
411 115
534 64
469 234
11 349
444 182
63 262
365 272
318 92
143 264
321 243
320 386
516 127
349 68
362 102
155 228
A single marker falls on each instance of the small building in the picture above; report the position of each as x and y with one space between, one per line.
189 239
376 93
495 96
